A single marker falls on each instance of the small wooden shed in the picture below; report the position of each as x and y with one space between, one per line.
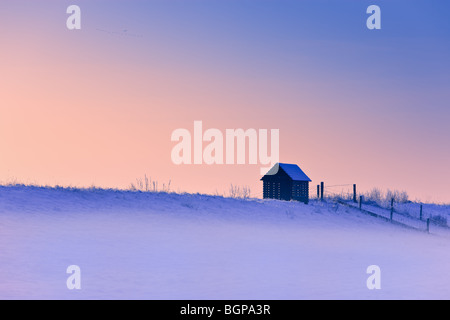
286 182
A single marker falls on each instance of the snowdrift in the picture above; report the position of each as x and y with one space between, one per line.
134 245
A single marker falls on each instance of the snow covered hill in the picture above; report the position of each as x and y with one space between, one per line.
133 245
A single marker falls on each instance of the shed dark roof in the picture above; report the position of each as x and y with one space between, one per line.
292 170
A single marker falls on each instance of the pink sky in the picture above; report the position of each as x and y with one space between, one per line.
87 108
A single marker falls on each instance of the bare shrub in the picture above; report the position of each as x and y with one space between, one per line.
147 185
382 198
238 192
439 220
398 196
375 194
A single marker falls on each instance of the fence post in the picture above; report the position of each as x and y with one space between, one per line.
360 202
392 208
354 193
428 225
421 209
318 191
321 191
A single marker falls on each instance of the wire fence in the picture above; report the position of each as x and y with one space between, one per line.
404 212
397 210
339 191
